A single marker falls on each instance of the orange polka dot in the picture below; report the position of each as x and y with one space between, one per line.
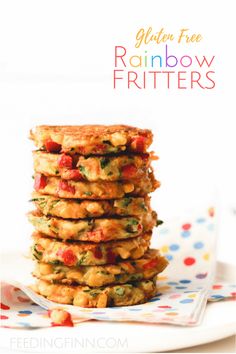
171 313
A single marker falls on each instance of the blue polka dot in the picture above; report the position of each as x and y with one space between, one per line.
218 297
24 324
172 283
154 299
159 294
26 312
186 301
174 247
181 287
185 233
200 220
210 227
169 257
198 245
185 281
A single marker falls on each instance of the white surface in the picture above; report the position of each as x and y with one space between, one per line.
219 322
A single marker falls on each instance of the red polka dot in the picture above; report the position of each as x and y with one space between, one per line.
233 294
2 317
186 227
189 261
4 307
215 287
164 307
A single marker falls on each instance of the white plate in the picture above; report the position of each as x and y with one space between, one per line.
219 322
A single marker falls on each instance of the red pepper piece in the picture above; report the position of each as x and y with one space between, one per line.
60 318
65 161
64 185
40 181
52 146
97 253
138 143
97 234
75 175
111 257
151 264
68 256
129 171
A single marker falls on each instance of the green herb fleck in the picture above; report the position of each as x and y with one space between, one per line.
119 291
88 193
126 202
159 222
104 162
107 142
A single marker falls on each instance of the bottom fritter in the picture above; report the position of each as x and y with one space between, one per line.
84 296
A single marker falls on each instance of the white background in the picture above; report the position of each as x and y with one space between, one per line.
56 62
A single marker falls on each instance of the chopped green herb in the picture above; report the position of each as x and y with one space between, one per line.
57 172
37 254
94 293
126 202
55 262
53 204
159 222
120 291
131 227
107 142
104 162
143 206
72 149
82 259
88 193
110 173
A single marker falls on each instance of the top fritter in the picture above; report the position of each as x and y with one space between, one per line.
91 139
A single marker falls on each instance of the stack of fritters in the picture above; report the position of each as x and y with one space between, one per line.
93 220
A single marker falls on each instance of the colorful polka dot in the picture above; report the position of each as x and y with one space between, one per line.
169 257
201 275
171 313
192 296
186 227
174 296
165 307
24 313
3 317
211 212
174 247
165 249
172 283
4 307
206 257
181 287
189 261
186 301
216 286
198 245
200 220
185 234
217 297
185 281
